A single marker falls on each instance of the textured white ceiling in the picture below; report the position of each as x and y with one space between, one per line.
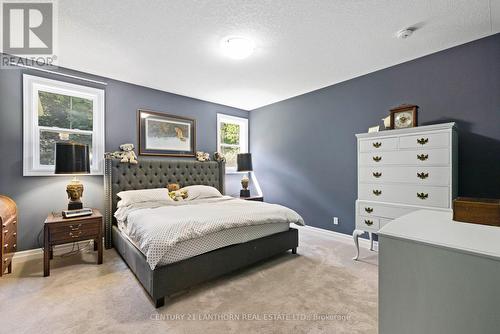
301 45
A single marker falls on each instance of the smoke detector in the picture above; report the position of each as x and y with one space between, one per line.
405 33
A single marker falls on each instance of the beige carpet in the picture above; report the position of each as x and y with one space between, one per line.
320 290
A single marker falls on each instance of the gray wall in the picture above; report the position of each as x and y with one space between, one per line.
36 196
304 148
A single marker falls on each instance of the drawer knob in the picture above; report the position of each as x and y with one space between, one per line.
377 158
377 144
6 246
377 192
422 195
75 235
75 228
368 222
423 141
423 175
422 157
369 210
377 174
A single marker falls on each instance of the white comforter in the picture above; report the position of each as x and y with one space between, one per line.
156 228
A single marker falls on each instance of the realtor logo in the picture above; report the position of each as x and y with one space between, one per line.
28 28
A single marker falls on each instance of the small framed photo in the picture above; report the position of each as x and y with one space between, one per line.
166 135
374 129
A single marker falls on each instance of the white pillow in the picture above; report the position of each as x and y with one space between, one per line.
199 192
130 197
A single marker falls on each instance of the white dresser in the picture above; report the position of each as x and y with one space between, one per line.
400 171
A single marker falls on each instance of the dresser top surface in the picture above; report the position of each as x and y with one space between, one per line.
408 131
438 229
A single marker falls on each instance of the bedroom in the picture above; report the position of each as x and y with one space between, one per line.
290 83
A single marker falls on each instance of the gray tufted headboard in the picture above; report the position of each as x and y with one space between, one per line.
154 173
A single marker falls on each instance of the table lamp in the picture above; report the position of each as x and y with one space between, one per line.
73 159
244 163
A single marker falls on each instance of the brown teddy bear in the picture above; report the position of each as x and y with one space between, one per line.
175 193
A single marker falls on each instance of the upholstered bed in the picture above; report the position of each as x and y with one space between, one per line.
169 278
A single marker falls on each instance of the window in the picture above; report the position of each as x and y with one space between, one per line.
58 111
232 138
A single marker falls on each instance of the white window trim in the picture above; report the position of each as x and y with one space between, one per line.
31 137
243 122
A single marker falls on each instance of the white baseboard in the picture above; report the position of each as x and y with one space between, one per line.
365 243
37 253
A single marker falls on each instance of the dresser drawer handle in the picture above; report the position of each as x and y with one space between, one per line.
75 235
377 174
377 144
423 141
368 222
377 158
423 175
75 228
422 195
6 246
369 210
377 192
422 157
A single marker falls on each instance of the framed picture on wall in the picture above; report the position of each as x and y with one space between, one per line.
166 135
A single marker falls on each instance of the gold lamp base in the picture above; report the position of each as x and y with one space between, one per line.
75 192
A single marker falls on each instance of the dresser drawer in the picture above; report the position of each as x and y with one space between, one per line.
431 196
423 157
372 209
9 222
426 140
9 246
367 223
375 145
436 176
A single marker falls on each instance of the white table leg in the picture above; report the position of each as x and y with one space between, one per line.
371 240
355 236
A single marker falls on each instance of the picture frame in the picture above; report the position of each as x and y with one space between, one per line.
404 109
162 134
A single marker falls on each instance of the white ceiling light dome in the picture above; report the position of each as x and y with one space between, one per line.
237 47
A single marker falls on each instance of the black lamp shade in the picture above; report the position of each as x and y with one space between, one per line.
244 161
72 158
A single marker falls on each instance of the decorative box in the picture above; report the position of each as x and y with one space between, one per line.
483 211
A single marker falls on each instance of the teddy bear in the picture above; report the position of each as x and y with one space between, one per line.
176 193
202 156
126 154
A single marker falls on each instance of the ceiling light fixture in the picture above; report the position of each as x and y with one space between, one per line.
237 47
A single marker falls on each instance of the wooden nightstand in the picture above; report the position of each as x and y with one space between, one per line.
58 230
254 198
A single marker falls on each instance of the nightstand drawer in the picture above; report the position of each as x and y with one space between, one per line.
76 226
67 233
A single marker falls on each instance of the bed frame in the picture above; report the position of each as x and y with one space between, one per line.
166 280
